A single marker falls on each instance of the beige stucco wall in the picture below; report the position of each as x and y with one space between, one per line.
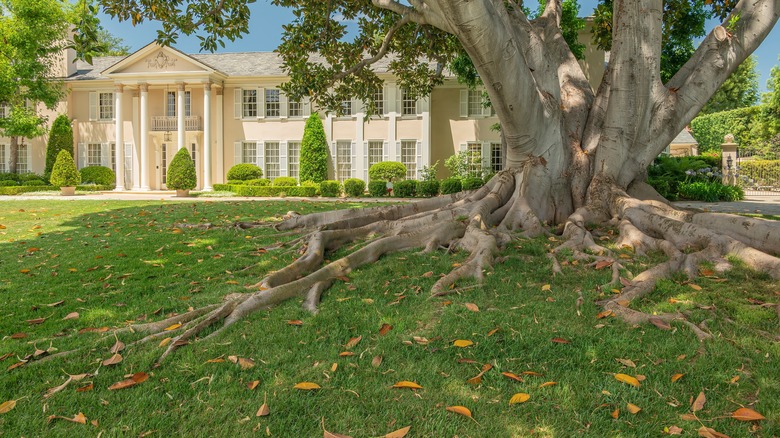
593 62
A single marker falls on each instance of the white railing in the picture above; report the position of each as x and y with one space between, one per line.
170 123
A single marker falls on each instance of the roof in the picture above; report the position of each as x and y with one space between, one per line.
684 137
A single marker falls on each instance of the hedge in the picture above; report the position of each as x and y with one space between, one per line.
405 189
95 187
17 190
330 189
244 171
269 191
377 188
98 175
710 129
222 188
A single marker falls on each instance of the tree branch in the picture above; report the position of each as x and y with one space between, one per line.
380 54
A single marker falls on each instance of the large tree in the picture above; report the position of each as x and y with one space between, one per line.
575 157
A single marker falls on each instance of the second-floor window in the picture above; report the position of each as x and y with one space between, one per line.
379 101
106 106
408 103
5 110
249 103
272 103
294 108
170 107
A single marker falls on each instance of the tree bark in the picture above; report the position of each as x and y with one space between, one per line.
13 155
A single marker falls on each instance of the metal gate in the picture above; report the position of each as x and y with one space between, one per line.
756 176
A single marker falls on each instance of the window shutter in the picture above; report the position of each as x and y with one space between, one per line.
306 106
333 159
260 103
419 106
464 103
282 158
105 154
486 110
238 156
93 106
365 159
283 102
237 101
353 158
398 151
29 159
357 107
419 159
399 100
486 153
128 151
6 152
385 151
82 154
463 147
260 153
385 104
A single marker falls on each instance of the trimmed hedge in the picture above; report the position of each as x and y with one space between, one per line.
244 171
472 183
222 188
95 188
354 187
181 172
387 170
330 188
710 129
405 189
377 189
273 191
428 188
17 190
100 175
450 186
286 181
260 182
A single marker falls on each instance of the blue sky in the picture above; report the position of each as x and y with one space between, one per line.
266 27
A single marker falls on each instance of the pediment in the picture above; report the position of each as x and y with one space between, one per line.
155 59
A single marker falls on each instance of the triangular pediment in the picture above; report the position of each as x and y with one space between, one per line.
155 59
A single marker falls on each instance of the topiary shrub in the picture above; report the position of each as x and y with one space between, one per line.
354 187
405 189
312 184
34 182
377 188
286 181
428 188
64 173
387 170
181 172
259 182
451 185
314 151
472 183
330 188
244 172
60 139
99 175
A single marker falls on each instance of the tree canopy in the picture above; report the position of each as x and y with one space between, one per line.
739 90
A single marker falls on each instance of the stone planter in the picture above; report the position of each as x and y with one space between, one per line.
68 191
182 193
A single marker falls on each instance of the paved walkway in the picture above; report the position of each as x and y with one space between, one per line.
758 204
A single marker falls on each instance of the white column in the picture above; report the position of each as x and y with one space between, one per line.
357 155
119 143
426 134
180 114
220 176
207 137
136 178
144 137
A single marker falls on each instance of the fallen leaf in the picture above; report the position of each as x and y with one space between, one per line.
165 342
546 384
694 286
78 418
634 409
252 385
354 341
19 335
604 314
295 322
677 377
461 410
406 384
172 327
625 378
36 321
427 274
137 378
7 406
512 376
264 411
113 360
216 360
707 432
85 388
560 341
493 332
603 264
476 380
616 413
117 347
689 417
532 373
734 379
400 433
246 363
674 430
660 323
698 404
627 362
462 343
385 329
58 303
376 361
306 386
93 330
746 414
346 353
471 306
520 397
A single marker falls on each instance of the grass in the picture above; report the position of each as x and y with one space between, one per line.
114 262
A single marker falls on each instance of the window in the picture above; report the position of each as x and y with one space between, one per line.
408 103
94 154
409 157
271 160
379 101
248 103
194 154
112 148
272 102
343 160
106 106
375 152
293 158
496 157
346 108
5 110
475 103
474 159
294 108
249 152
164 162
2 158
187 104
170 107
22 165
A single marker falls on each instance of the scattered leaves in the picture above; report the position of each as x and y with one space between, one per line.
113 360
677 377
137 378
698 404
78 418
252 385
634 409
462 343
246 363
307 386
71 315
264 411
7 406
629 380
471 306
385 329
400 433
707 432
520 397
407 384
354 341
512 376
746 414
460 410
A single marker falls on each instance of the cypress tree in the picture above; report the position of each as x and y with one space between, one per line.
60 139
314 151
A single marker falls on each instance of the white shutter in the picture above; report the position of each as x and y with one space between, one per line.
283 102
365 159
399 102
357 107
486 152
238 156
260 102
397 151
353 158
419 159
463 147
282 158
260 153
82 155
237 101
419 106
93 106
128 164
29 159
333 159
6 152
464 103
385 104
385 151
306 102
390 92
105 155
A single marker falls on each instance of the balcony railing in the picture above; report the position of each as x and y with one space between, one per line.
170 123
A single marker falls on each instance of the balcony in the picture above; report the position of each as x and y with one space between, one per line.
169 123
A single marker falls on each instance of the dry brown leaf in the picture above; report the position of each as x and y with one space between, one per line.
546 287
407 384
660 323
560 341
7 406
346 353
78 418
252 385
734 379
546 384
476 380
746 414
295 322
113 360
471 306
461 410
520 397
674 430
16 365
427 274
246 363
603 264
85 388
512 376
137 378
334 367
354 341
462 343
172 327
532 373
698 404
689 417
634 409
306 386
216 360
117 347
493 332
71 315
615 414
627 362
264 411
165 342
604 314
400 433
36 321
677 377
694 286
19 335
376 361
630 380
385 329
707 432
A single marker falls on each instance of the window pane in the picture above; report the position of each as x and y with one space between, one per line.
187 103
294 108
474 158
249 103
271 160
94 154
271 103
408 103
496 157
22 165
409 157
249 152
379 101
164 161
171 105
2 158
475 102
343 160
346 108
293 158
375 152
106 106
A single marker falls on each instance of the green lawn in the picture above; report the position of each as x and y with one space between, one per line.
115 262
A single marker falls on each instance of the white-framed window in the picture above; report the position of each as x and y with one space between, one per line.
164 162
346 108
272 160
474 158
2 159
5 110
294 158
375 152
249 103
105 106
112 155
408 103
194 154
343 160
22 165
170 103
294 108
249 152
94 154
379 100
187 104
409 157
496 157
475 103
272 102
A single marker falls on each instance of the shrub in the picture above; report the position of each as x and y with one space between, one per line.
314 151
312 184
667 173
236 182
709 191
34 182
64 173
98 175
330 188
710 129
472 183
222 188
8 176
377 188
244 172
246 190
286 181
387 170
8 183
354 187
259 182
29 176
405 189
181 172
428 188
451 185
60 139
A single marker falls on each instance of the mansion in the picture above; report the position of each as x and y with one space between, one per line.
134 113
